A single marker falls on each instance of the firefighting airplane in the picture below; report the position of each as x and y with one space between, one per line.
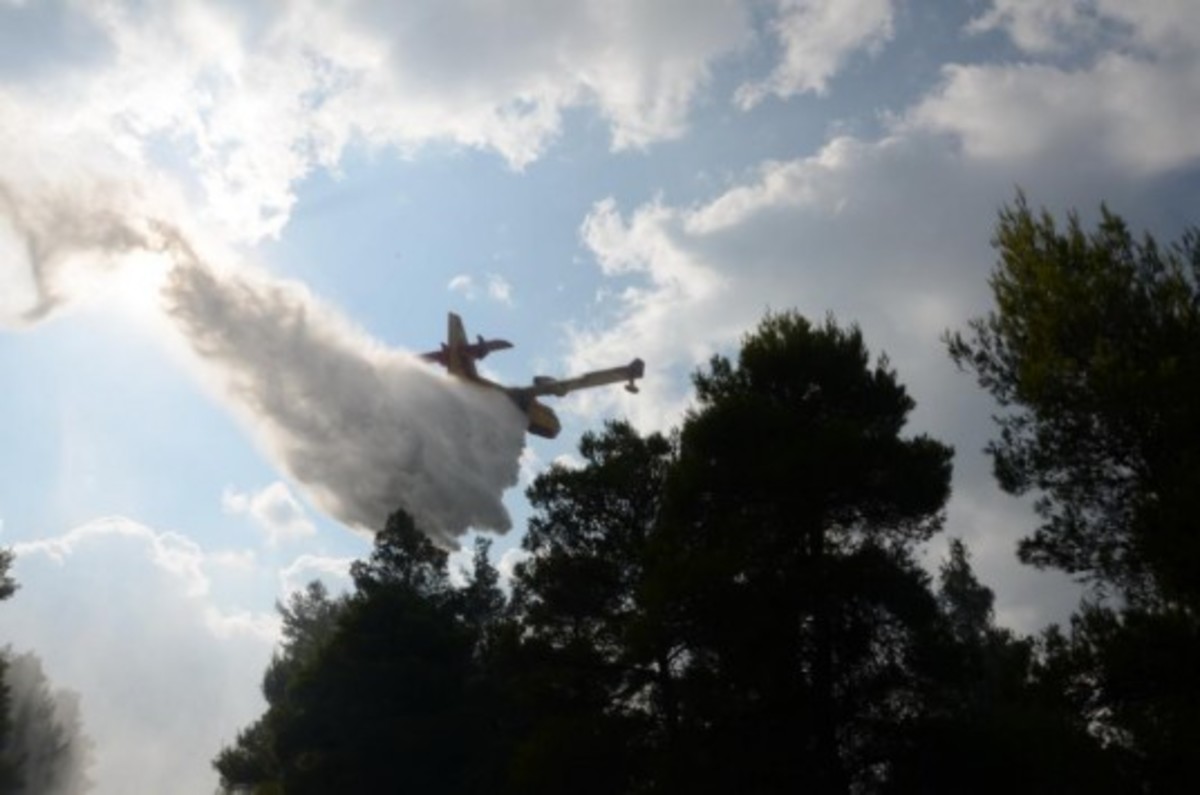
458 357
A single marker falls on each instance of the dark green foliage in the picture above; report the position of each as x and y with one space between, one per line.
995 714
793 511
1094 351
374 693
738 607
599 669
1132 673
310 622
9 778
966 603
740 615
45 746
8 585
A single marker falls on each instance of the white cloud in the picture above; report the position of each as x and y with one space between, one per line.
334 572
252 99
531 465
499 290
817 37
496 287
243 560
464 284
855 228
172 552
274 509
1131 96
1038 26
1139 114
1055 26
167 670
568 461
266 627
508 562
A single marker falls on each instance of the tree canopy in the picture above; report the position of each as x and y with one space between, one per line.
1093 351
734 607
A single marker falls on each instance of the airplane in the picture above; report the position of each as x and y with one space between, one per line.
458 357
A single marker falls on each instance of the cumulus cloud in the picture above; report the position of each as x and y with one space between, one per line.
1130 96
175 554
499 290
274 509
817 37
251 99
124 615
334 572
1123 109
1038 26
1170 27
794 234
495 287
462 283
507 565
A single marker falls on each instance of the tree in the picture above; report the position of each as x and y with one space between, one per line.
792 513
996 717
596 688
381 691
1131 674
46 745
309 623
9 778
1093 350
8 585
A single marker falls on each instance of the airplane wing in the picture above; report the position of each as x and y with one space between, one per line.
560 387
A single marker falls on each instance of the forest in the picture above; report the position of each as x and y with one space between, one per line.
737 605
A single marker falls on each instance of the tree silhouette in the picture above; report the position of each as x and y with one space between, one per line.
9 778
995 718
1093 350
792 515
741 613
597 691
386 690
43 748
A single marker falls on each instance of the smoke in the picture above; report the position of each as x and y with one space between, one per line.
45 743
365 429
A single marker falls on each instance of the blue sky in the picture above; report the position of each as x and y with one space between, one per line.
185 437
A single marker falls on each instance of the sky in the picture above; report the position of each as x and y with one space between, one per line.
225 227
